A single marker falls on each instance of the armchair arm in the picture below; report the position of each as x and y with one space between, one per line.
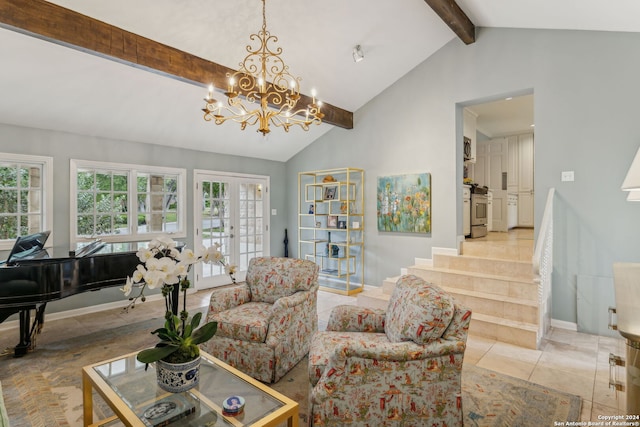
287 312
352 318
228 297
293 300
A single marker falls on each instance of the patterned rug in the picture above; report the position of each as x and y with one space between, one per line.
44 388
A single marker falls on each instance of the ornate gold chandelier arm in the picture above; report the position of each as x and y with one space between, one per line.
263 90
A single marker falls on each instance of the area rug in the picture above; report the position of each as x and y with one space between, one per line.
44 388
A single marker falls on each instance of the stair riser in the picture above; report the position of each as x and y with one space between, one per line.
504 310
499 251
504 288
513 269
503 333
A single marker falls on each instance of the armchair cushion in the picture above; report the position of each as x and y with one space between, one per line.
270 280
247 322
418 311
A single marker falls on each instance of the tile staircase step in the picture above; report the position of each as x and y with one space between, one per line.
511 332
499 267
517 250
501 285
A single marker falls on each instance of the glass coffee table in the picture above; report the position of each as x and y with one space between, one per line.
130 392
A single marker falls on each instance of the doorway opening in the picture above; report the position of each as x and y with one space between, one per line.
498 158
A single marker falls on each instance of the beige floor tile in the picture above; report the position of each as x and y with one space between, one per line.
507 365
515 352
560 380
569 365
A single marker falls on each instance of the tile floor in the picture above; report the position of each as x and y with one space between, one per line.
573 362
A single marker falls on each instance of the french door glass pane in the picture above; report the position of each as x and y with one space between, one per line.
250 236
216 222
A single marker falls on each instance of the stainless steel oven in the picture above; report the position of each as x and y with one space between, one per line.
479 212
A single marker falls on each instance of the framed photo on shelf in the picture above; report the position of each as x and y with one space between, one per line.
330 193
332 221
342 224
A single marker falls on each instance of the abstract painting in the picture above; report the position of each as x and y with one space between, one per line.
404 203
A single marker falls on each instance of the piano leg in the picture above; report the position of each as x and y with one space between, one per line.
25 338
27 331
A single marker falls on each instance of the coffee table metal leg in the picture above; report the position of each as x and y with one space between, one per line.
87 400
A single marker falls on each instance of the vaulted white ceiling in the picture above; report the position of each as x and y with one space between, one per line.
49 86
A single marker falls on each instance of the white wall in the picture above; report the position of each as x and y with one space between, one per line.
586 92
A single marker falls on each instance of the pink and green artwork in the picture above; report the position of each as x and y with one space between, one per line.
404 203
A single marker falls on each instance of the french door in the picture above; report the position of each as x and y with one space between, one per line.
231 210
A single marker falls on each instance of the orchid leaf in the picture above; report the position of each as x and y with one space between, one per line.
154 354
205 333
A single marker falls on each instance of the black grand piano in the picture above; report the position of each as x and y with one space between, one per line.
30 278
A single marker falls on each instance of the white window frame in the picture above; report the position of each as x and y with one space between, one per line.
132 170
47 192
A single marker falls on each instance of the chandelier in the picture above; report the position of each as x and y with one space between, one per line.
263 91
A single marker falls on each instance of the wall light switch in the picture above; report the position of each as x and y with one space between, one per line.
274 212
567 176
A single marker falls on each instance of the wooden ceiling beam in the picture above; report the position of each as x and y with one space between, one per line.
63 26
455 18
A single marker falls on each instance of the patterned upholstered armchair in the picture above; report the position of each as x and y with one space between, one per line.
265 325
401 367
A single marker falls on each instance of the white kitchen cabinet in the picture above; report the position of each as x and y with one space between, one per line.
490 211
512 210
466 210
525 209
525 180
481 167
513 162
525 163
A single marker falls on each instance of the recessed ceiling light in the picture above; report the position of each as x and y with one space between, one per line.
508 99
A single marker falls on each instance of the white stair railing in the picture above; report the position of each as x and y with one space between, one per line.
543 267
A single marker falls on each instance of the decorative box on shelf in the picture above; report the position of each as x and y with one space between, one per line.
331 226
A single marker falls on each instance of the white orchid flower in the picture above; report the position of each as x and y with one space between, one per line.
153 264
181 269
144 254
188 257
128 286
167 242
138 275
154 278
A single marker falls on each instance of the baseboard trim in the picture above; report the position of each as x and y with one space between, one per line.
421 261
443 251
562 324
